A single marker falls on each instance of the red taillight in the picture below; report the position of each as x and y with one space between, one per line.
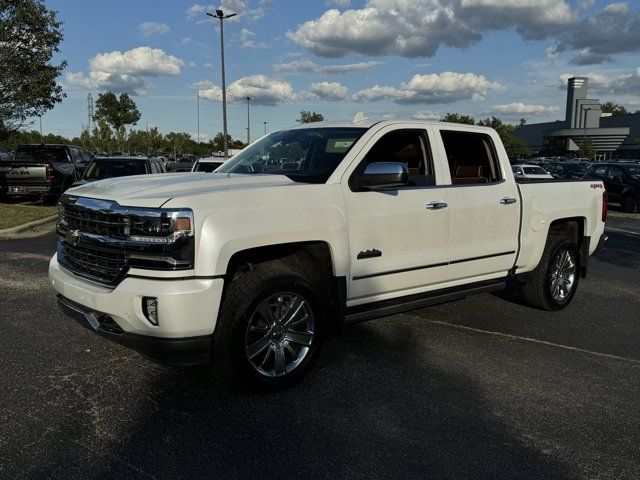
604 206
50 173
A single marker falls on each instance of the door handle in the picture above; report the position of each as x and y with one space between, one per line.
436 205
507 200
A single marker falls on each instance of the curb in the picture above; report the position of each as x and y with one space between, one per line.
27 226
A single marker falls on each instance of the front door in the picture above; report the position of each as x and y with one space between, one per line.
399 243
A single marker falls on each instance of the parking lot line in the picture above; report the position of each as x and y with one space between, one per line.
622 231
526 339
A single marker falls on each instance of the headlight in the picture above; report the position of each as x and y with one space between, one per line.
158 226
160 239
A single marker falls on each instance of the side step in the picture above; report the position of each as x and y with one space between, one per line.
369 311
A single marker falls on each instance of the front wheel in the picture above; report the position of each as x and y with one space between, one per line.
555 280
269 330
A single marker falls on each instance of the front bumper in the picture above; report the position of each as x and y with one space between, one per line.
167 351
187 313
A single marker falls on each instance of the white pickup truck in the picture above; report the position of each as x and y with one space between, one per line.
309 229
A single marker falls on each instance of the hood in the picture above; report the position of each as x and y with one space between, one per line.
154 190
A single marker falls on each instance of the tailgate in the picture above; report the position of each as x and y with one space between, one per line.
23 173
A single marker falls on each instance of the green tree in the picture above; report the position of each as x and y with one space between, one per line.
118 112
29 37
586 149
178 141
103 136
458 118
307 116
614 108
515 146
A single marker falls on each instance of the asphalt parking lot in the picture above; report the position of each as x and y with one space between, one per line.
480 388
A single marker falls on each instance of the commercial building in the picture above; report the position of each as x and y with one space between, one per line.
612 136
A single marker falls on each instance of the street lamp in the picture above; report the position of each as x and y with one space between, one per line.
584 137
265 127
248 124
220 15
198 114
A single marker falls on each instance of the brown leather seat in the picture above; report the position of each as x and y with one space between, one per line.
410 155
469 174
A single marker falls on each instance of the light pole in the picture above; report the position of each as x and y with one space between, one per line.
248 124
198 115
220 15
265 127
584 137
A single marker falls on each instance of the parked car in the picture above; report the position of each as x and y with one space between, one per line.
5 155
253 270
565 169
175 167
207 164
42 171
622 182
530 172
110 167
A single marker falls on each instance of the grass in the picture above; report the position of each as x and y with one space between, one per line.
14 215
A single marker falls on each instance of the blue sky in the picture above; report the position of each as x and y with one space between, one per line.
388 58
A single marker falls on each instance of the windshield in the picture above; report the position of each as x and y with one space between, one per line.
41 153
100 169
304 155
207 167
535 171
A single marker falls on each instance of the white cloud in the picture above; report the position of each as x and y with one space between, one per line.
518 108
426 115
339 3
436 88
153 28
247 41
418 28
126 71
144 61
309 66
119 83
263 90
329 91
184 41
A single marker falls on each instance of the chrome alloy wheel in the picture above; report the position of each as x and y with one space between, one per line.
563 275
279 334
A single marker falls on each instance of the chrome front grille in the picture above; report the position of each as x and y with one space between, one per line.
102 266
99 222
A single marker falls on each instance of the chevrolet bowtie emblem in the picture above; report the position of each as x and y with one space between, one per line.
72 237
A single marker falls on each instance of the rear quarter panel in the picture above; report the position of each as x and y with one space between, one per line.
545 202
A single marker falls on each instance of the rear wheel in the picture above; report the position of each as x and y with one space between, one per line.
628 203
555 280
269 330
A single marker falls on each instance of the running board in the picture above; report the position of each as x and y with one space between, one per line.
369 311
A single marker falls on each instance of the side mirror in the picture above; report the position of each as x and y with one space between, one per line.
384 174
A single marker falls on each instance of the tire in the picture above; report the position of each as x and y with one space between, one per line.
628 204
546 289
252 343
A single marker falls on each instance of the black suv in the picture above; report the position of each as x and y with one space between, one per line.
565 169
110 167
622 182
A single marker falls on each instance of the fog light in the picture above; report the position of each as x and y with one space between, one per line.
150 309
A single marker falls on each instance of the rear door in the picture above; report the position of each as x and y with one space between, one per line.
485 204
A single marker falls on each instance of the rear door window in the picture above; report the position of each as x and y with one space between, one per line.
472 158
